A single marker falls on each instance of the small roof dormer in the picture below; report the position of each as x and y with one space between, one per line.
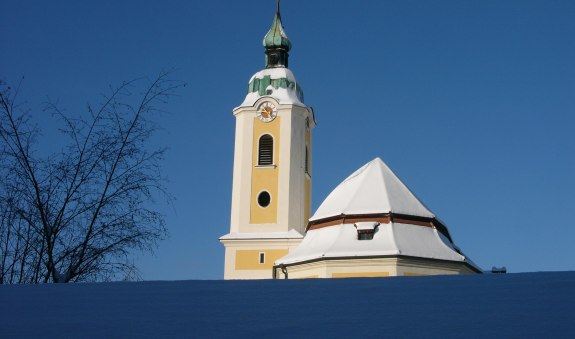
276 43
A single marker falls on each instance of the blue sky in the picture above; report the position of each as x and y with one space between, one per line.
470 103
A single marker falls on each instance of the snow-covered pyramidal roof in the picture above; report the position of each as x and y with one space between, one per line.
372 189
374 198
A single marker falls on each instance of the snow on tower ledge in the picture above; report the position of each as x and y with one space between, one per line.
278 83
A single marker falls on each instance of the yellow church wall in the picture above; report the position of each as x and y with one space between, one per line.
360 274
419 267
411 274
265 178
242 256
358 267
250 259
303 271
309 277
340 269
374 267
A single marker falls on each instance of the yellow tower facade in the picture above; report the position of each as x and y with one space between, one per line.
271 193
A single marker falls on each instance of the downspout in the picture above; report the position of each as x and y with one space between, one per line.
281 267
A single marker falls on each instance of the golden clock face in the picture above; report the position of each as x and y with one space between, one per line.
267 111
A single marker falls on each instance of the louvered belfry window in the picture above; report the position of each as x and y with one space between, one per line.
266 150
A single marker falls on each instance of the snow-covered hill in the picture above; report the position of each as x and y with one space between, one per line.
522 305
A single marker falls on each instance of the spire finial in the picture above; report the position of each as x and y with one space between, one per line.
276 42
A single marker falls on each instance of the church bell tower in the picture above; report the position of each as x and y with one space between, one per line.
271 193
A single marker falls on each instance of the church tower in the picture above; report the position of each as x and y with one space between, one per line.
271 193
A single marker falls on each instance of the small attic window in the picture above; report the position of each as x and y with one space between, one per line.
365 235
269 92
366 230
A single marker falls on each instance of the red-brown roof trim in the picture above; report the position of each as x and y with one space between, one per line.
383 218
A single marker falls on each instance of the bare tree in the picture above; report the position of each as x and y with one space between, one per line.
78 214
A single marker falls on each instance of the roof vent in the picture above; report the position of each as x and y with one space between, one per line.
499 270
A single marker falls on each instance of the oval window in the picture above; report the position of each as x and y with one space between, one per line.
264 199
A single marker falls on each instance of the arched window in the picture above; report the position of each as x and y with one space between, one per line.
266 150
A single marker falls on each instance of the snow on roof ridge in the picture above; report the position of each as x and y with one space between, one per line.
409 191
392 203
356 173
353 196
380 162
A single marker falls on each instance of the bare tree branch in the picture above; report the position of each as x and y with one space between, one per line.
77 214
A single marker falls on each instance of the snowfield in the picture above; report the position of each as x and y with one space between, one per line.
522 305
